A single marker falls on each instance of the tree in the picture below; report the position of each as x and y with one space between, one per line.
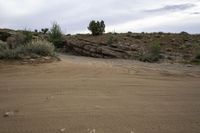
45 30
56 35
102 26
97 27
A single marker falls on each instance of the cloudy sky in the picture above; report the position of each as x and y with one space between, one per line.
119 15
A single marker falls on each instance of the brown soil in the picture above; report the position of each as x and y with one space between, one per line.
86 95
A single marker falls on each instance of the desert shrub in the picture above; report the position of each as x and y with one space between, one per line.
198 56
22 38
39 47
138 36
16 40
153 54
3 46
12 53
11 42
56 35
197 53
4 36
129 34
149 58
28 36
96 27
184 33
155 49
112 40
196 59
35 33
7 53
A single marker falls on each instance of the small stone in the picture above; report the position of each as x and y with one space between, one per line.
169 49
58 59
62 130
16 111
8 114
47 58
189 65
32 59
91 130
24 62
26 57
125 38
51 97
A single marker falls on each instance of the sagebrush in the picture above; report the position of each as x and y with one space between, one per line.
40 47
153 54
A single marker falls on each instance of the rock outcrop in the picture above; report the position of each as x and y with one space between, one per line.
87 48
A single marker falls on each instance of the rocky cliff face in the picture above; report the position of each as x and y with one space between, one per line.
103 50
173 47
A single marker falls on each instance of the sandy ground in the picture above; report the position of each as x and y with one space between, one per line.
86 95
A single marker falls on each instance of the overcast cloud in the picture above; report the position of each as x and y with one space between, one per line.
119 16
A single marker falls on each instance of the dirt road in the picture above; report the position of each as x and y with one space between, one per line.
86 95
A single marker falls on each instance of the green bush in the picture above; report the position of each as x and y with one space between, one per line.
97 28
20 38
3 46
198 56
56 35
129 34
155 49
153 54
28 36
4 35
149 58
112 40
16 40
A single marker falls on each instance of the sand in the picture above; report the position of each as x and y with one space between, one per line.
88 95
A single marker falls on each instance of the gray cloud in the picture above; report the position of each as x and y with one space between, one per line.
74 16
190 28
177 7
196 13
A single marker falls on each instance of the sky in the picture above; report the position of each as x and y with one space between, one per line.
119 15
